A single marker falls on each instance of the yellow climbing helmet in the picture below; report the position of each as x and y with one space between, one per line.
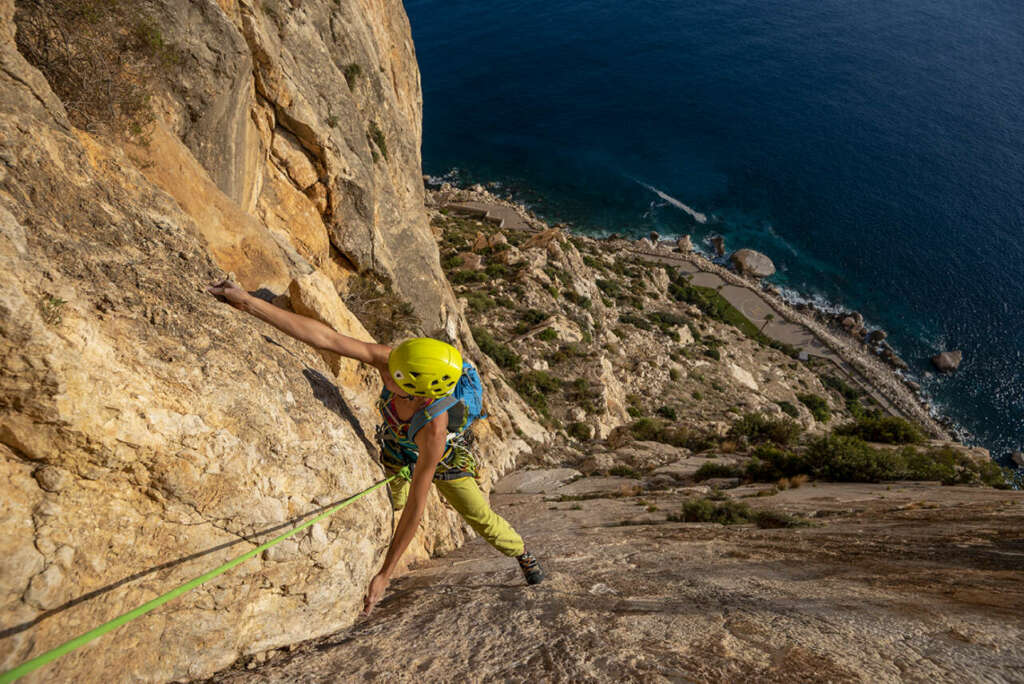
425 367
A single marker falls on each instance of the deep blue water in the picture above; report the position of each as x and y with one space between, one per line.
874 149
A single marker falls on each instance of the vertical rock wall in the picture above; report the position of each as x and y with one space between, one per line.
148 432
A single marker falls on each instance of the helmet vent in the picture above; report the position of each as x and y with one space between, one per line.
414 374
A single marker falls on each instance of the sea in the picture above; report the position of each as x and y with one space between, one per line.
874 149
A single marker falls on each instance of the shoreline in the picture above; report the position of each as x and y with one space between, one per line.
876 376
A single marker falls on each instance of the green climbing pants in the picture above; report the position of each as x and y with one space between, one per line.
466 498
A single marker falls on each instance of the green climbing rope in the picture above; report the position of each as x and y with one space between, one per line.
77 642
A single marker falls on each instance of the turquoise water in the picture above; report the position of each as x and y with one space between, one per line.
874 150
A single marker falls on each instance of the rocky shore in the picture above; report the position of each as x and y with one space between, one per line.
865 353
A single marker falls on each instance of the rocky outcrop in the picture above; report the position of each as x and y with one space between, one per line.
149 432
948 361
308 115
751 263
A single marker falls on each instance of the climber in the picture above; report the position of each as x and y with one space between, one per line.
416 374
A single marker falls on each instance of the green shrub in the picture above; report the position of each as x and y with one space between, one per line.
533 316
580 431
724 513
533 387
710 470
567 352
674 374
581 393
463 277
667 322
497 271
770 464
666 412
609 287
883 429
713 353
758 428
452 262
624 471
547 335
769 520
846 391
817 406
655 430
788 409
577 299
850 459
478 302
950 467
635 320
499 353
352 73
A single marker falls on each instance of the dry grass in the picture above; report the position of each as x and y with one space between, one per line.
101 57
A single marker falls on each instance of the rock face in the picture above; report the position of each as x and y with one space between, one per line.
948 361
751 263
149 432
321 97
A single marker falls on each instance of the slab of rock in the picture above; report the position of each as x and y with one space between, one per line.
471 261
948 361
535 481
752 263
718 242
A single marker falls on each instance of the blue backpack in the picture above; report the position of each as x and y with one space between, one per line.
464 405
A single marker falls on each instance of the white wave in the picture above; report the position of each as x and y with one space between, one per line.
818 301
696 215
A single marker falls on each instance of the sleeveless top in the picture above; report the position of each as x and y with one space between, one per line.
398 450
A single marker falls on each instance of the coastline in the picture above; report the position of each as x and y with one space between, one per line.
852 357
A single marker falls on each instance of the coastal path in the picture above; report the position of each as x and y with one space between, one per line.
759 312
500 215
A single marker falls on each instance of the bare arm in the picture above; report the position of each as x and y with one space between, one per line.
431 442
304 329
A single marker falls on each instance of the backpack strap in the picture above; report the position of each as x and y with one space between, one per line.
429 413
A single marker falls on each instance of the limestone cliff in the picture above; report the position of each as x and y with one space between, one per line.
147 431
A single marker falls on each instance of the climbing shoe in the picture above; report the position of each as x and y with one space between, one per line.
531 568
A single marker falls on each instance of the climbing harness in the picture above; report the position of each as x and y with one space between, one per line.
77 642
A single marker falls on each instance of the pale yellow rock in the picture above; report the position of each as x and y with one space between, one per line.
288 152
237 242
283 207
743 377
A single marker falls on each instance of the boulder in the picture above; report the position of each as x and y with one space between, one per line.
849 323
471 261
718 242
1018 458
877 336
536 481
653 236
948 361
752 263
685 244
